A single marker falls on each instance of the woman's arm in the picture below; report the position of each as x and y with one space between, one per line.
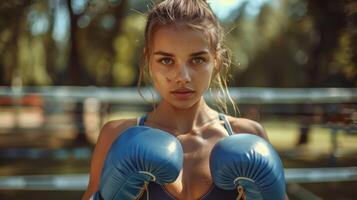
108 134
286 197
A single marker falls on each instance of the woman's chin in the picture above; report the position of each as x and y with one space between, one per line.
183 105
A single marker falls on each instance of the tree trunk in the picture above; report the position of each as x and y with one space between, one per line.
75 75
74 64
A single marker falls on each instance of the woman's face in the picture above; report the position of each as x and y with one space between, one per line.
181 64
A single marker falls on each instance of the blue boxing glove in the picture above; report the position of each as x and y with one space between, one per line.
139 155
250 164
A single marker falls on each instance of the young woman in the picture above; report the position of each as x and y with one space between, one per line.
185 57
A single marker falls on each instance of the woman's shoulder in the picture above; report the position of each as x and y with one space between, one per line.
244 125
112 129
109 132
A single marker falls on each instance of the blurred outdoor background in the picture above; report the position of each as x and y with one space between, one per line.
68 66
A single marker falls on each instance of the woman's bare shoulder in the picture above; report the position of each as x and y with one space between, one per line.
112 129
244 125
108 134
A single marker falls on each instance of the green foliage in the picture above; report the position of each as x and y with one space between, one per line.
290 43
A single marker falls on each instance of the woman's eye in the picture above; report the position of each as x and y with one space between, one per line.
198 60
166 61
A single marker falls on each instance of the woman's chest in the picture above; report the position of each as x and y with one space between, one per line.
195 178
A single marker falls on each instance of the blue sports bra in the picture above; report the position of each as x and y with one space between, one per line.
156 191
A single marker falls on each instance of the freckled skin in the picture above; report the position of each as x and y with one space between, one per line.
182 70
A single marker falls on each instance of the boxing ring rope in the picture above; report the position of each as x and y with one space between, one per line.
241 95
78 182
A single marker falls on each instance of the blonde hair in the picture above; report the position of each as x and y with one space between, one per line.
195 14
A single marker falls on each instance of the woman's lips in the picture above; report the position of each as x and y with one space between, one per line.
182 94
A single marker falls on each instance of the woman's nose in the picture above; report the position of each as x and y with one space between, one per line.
183 74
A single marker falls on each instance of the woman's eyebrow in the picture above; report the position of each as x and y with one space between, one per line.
198 53
162 53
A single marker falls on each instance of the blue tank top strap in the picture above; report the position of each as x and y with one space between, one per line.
142 120
227 125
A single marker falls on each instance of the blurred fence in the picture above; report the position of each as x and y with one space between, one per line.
275 100
68 112
80 181
84 109
241 95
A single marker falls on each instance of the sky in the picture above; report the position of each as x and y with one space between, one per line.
224 8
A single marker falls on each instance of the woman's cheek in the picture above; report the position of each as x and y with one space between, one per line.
206 73
159 82
205 78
